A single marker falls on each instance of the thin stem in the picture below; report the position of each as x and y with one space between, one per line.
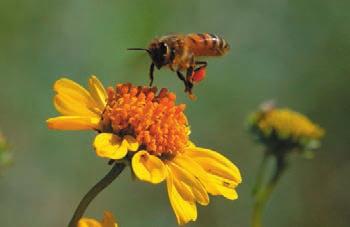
94 191
264 194
261 174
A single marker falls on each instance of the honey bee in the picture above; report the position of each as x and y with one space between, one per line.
179 53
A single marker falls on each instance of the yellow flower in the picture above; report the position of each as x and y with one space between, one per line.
147 129
107 221
285 125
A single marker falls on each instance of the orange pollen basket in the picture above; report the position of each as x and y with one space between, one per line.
153 119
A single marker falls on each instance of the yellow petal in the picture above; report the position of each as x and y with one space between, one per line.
148 167
184 190
184 210
88 222
108 145
196 170
224 187
222 175
98 92
131 143
73 123
107 221
71 94
211 158
73 89
191 144
216 168
68 106
199 193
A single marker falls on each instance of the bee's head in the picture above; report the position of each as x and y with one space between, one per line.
160 53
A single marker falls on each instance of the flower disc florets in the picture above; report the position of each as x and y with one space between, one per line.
153 119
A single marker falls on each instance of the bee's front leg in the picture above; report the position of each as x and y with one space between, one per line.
151 74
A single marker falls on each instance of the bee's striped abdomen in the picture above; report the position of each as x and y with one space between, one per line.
205 44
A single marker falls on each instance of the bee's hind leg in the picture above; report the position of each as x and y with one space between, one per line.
151 74
189 82
200 64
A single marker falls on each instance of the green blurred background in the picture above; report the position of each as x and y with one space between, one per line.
296 52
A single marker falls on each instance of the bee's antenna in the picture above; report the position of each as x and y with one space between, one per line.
140 49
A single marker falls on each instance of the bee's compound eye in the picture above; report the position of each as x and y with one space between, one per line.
159 53
163 48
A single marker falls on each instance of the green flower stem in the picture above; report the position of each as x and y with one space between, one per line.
94 191
261 174
263 193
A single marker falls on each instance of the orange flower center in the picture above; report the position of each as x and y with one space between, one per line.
153 119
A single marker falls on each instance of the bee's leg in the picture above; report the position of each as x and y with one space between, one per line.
151 74
189 84
181 77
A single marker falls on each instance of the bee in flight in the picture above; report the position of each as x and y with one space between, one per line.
179 53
